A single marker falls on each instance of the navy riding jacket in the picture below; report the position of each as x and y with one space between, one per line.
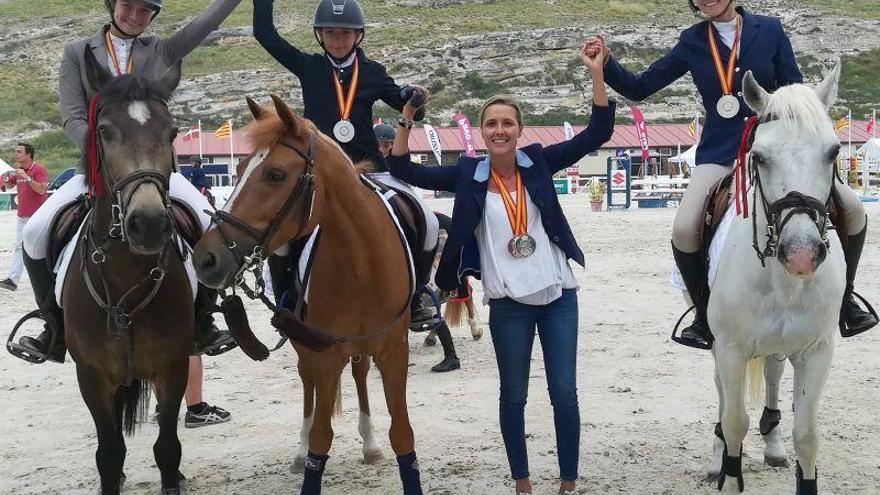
315 73
469 180
764 49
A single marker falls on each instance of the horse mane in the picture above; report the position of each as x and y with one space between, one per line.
364 166
798 105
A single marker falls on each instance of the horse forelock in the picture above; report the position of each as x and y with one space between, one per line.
799 106
130 87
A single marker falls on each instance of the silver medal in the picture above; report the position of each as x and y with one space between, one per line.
343 131
526 245
728 106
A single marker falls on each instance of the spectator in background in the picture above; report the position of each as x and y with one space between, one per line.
31 181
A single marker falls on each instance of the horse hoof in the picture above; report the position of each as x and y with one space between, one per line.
299 465
430 341
781 462
373 456
477 334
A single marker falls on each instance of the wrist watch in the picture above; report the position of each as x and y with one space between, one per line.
29 179
404 122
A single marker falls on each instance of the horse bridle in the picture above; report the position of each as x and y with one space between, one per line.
797 202
253 262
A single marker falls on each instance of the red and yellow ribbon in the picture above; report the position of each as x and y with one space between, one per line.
516 210
112 52
726 77
344 101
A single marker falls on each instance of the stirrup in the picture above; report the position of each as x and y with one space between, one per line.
845 331
219 347
687 342
430 322
27 353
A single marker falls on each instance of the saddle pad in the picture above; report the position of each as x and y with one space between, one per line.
67 253
714 252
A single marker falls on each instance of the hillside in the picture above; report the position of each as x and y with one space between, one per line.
464 50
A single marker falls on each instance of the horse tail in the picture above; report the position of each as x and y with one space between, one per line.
337 405
135 404
452 314
755 382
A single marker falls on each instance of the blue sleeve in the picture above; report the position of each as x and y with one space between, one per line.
597 133
431 178
787 71
660 74
264 30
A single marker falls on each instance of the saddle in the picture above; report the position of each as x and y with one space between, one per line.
719 200
68 220
408 212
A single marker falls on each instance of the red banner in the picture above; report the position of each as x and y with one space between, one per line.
642 129
464 130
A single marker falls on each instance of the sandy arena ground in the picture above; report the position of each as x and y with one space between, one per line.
647 405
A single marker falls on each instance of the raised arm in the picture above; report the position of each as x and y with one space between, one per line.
187 38
601 126
432 178
637 87
264 30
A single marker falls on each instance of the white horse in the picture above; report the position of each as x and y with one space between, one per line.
789 303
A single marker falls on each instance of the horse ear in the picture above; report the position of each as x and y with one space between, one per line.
256 110
827 89
171 78
756 97
96 74
286 114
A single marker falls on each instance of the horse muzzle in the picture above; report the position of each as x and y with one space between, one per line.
147 230
215 265
801 256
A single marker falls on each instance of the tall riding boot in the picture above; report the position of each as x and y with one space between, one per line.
210 340
853 319
423 308
282 273
450 360
51 341
694 270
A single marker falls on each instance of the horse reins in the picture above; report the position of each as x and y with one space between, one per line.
795 201
253 262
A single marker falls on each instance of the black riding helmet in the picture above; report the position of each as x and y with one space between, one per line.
384 132
346 14
111 4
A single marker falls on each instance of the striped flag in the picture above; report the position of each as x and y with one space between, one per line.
842 123
192 133
224 131
694 127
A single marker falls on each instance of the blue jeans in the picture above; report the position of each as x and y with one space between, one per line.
513 331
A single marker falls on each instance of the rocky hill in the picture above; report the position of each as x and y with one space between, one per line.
464 50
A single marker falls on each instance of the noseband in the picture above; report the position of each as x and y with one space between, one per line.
795 201
304 190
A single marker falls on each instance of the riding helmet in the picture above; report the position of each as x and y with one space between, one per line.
339 14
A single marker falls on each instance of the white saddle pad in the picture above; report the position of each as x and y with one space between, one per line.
67 253
714 252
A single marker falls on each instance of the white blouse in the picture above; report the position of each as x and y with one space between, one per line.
536 280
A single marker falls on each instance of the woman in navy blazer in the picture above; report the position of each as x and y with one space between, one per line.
763 48
521 255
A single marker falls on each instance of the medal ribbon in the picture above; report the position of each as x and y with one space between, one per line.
726 78
516 210
112 52
344 101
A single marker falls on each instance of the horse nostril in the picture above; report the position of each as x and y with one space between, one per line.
209 261
134 224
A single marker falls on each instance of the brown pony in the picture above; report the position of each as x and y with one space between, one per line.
360 283
128 309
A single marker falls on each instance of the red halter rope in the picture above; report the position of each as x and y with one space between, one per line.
740 170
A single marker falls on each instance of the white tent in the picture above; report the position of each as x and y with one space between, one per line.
689 157
871 150
4 167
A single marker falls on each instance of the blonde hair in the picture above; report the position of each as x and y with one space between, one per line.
502 100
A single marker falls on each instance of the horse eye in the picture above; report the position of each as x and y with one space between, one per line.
833 154
757 158
276 175
104 131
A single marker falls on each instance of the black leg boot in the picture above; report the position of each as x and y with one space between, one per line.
210 340
50 343
282 272
853 319
424 311
450 360
694 270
